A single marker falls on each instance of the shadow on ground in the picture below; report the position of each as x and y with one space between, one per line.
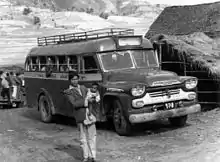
154 127
72 150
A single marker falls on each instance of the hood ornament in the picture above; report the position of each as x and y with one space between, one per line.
168 93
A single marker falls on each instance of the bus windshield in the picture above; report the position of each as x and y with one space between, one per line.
145 58
117 60
128 60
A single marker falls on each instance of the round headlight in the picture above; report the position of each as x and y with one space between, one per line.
138 90
191 83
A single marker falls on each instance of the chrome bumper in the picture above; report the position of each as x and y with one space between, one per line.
145 117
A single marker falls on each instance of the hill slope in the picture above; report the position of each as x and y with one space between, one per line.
118 7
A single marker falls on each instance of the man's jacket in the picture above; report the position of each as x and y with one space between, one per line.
77 101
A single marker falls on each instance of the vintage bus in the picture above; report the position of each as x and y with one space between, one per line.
133 87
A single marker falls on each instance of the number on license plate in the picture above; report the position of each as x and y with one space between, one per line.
169 105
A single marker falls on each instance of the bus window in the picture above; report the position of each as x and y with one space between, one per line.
43 63
35 64
28 65
72 63
51 63
62 61
89 65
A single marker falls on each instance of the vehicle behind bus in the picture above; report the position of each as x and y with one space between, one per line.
132 85
16 95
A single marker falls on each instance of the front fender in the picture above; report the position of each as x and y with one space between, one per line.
123 98
47 94
184 78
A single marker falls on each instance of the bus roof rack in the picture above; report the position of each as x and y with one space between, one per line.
82 36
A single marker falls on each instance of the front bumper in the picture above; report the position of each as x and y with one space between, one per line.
145 117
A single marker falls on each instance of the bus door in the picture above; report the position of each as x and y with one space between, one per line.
89 71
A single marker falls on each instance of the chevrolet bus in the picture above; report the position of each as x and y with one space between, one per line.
132 85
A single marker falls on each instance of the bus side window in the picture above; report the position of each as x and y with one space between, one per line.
52 63
72 63
28 65
43 63
35 64
62 63
90 65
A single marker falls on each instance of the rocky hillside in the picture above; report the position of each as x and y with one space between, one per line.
116 7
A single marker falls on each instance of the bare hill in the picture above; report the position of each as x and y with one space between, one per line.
116 7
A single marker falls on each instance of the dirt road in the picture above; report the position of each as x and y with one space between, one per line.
23 138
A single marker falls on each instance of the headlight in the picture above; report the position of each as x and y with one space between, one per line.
138 90
191 83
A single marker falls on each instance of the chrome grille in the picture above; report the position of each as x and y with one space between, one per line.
164 93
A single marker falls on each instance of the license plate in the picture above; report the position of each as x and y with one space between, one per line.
169 105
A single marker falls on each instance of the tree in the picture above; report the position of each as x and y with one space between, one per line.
26 11
104 15
118 6
89 10
37 20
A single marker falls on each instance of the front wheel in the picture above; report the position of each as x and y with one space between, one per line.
121 124
45 109
178 121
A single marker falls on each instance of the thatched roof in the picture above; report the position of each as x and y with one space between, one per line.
182 20
191 46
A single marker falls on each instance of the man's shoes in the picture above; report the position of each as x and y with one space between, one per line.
86 160
92 160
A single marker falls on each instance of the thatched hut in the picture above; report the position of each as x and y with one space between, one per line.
184 20
191 34
203 63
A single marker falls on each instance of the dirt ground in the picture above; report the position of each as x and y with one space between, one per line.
25 139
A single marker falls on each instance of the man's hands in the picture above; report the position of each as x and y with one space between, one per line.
92 99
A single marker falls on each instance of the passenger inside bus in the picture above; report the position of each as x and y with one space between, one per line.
43 68
35 68
50 67
72 68
62 68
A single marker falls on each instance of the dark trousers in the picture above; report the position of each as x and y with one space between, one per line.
6 93
96 110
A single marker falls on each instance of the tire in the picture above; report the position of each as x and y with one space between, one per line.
178 121
45 109
122 125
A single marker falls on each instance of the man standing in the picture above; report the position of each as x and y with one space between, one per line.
15 84
5 87
76 95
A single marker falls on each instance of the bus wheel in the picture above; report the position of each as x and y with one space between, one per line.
121 124
178 121
45 109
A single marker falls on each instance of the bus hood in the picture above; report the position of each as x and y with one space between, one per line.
151 78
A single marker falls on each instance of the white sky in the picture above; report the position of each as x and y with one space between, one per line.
181 2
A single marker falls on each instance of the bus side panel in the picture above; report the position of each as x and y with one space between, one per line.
54 87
